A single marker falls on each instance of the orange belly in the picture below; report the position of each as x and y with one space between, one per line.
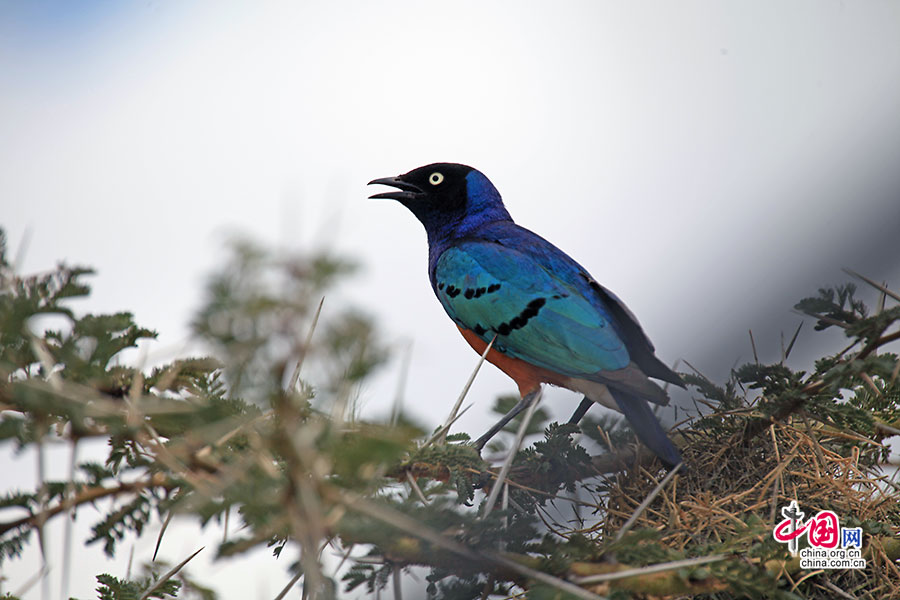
526 375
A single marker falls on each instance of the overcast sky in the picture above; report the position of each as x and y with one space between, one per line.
711 162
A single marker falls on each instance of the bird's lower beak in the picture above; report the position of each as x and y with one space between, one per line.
407 190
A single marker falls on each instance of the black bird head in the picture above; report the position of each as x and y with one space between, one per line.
446 197
440 185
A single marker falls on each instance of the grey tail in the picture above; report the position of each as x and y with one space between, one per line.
646 426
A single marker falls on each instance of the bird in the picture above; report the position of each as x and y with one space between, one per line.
548 320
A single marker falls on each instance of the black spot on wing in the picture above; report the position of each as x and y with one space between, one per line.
521 319
478 292
479 330
536 304
441 286
452 291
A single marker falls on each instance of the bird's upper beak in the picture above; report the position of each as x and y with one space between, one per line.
407 191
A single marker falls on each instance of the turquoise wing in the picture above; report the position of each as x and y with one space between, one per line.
537 316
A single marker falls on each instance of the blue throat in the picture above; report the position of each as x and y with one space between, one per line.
484 205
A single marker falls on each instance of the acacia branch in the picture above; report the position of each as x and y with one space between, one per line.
758 426
85 495
411 550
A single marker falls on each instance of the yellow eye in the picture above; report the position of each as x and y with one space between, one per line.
435 178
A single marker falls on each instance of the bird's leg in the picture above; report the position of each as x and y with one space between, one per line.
521 405
578 415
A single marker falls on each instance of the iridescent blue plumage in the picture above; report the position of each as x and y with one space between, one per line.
549 319
538 315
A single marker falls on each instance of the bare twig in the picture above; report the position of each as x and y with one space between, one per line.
865 377
295 376
41 520
886 428
130 561
787 353
894 374
415 487
225 524
452 416
882 299
284 591
306 513
697 371
874 284
643 505
395 580
445 428
67 533
162 531
837 590
507 464
169 574
657 568
397 407
345 556
400 521
550 580
753 346
823 318
39 576
888 339
48 363
779 481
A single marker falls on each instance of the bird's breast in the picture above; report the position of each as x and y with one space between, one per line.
528 377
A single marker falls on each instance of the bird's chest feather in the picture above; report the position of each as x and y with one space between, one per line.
528 377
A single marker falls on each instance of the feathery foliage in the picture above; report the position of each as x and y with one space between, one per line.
266 428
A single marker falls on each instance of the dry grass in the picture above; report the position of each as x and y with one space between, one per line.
732 493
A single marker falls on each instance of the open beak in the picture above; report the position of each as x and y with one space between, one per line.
407 190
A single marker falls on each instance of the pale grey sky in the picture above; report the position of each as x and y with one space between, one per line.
711 162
